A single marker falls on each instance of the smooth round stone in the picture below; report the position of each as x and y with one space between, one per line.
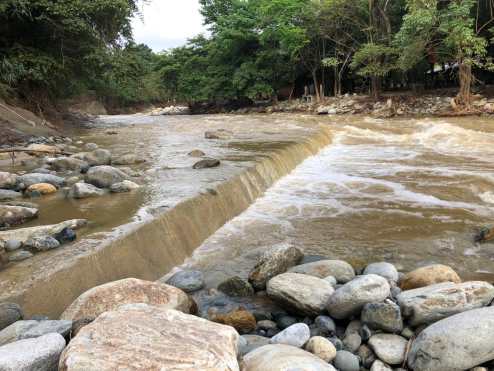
331 280
380 366
326 325
389 348
188 281
12 245
42 243
280 357
296 335
429 275
322 348
284 322
352 342
349 299
383 316
20 255
346 361
383 269
9 313
339 269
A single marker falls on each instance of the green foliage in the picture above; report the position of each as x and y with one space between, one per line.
374 60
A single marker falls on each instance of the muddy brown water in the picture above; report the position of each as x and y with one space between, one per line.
408 191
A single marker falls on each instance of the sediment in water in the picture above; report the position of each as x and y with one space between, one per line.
149 249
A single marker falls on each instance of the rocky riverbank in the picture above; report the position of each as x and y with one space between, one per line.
291 312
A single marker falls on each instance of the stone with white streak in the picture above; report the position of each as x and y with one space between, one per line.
145 337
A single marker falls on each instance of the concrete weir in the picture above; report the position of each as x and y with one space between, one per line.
149 249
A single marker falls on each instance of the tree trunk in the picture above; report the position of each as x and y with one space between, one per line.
316 85
337 82
375 87
464 96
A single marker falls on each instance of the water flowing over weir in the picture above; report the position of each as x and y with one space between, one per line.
409 192
164 234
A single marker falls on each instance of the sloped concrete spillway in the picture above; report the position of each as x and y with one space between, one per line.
178 209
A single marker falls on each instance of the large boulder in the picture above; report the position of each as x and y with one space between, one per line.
280 357
32 329
305 294
37 354
7 180
15 215
429 275
34 178
339 269
275 261
84 190
389 348
456 343
109 296
350 298
68 163
104 176
435 302
144 337
9 313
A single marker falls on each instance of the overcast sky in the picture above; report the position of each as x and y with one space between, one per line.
168 23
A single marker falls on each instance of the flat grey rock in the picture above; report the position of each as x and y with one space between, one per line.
9 313
188 281
339 269
383 269
32 329
389 348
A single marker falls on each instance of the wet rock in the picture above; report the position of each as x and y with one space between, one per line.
73 180
9 313
349 299
38 354
285 321
280 357
68 163
65 235
12 245
124 186
322 348
429 275
266 325
91 146
366 355
389 348
218 134
6 194
84 190
365 333
325 325
241 320
130 290
24 234
273 262
296 335
151 338
339 269
435 302
7 180
455 343
236 287
196 153
206 163
15 215
252 342
383 269
380 366
20 255
346 361
104 176
188 281
128 159
352 342
41 188
42 243
307 295
383 316
32 329
28 180
98 157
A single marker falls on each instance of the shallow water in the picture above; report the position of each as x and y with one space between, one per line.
411 192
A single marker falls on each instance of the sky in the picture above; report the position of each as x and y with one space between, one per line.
168 23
